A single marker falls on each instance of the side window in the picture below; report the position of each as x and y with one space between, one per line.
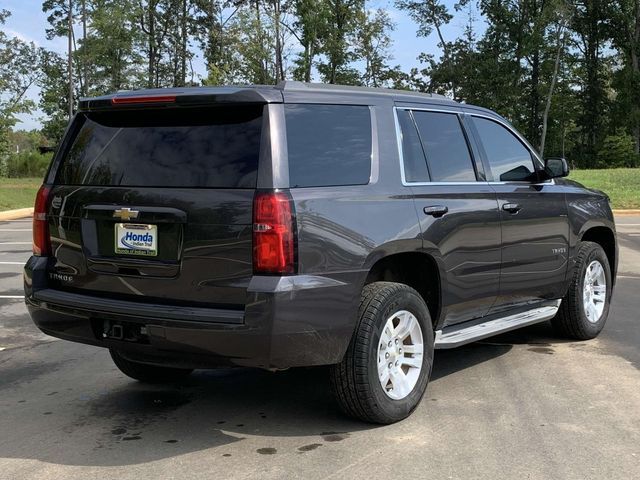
415 163
328 144
509 159
445 146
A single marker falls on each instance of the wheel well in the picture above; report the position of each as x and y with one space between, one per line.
604 237
417 270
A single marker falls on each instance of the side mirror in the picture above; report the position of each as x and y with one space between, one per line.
556 167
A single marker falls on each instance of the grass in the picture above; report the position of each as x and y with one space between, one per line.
18 192
621 184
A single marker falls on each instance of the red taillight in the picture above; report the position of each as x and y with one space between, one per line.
273 233
134 100
41 239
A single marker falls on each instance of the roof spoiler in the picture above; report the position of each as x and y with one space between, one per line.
176 97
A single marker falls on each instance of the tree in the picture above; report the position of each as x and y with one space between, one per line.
626 37
432 15
311 18
217 36
372 46
338 55
18 72
54 99
559 37
592 35
111 48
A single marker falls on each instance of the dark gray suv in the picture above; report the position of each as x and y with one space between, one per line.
303 225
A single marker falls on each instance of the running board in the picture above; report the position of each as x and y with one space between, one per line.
461 336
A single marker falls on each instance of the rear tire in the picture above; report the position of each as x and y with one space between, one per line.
381 380
585 308
148 373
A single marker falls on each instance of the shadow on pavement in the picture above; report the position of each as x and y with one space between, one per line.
112 422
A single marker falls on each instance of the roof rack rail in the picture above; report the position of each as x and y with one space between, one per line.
294 85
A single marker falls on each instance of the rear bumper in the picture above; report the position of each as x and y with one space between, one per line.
287 322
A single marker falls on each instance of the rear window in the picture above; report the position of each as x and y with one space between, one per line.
213 147
328 145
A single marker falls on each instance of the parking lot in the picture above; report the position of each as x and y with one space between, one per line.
522 405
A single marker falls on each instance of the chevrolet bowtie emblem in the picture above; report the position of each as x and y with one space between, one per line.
126 213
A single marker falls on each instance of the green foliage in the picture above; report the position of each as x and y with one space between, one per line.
24 158
18 72
28 164
621 184
18 193
617 150
570 65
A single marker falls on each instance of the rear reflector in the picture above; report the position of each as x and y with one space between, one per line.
134 100
273 233
41 239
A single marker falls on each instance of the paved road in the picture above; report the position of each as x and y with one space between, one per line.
522 405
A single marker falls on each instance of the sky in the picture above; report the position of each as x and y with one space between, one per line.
28 22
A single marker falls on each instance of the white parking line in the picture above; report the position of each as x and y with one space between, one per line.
11 296
12 263
15 243
15 230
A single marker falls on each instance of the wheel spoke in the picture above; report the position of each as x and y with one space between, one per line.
598 272
599 289
404 326
384 378
386 336
416 348
415 362
399 382
382 363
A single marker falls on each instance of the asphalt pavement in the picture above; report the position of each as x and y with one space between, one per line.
522 405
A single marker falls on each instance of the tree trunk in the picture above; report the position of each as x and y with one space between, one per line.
183 39
70 59
447 57
534 99
635 67
277 32
85 89
151 12
561 38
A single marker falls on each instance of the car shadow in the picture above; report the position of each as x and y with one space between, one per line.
124 422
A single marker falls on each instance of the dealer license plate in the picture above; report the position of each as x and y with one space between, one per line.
136 239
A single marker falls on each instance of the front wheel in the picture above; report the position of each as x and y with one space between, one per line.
385 371
148 373
585 308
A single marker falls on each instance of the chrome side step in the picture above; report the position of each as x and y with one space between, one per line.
461 336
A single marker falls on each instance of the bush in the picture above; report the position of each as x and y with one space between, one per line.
27 164
617 151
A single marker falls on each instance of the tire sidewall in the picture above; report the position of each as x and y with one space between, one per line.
410 301
596 253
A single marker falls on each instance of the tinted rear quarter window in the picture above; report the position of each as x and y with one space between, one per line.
328 144
445 146
215 147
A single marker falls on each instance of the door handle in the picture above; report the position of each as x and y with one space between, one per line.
511 207
436 210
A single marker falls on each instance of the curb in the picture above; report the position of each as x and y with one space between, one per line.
634 211
16 214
